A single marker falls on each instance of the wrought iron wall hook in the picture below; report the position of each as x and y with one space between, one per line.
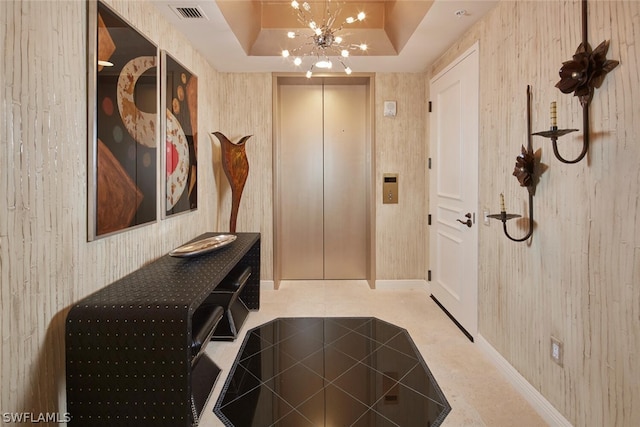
581 75
525 171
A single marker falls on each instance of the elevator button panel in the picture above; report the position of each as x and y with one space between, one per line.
390 188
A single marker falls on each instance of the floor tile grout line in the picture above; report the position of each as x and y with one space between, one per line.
379 345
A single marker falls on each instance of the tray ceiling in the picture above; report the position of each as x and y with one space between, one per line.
248 35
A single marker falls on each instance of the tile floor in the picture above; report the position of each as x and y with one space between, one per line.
477 392
330 371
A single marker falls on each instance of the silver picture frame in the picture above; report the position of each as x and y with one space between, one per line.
179 165
123 92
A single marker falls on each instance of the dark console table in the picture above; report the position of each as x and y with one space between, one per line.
129 345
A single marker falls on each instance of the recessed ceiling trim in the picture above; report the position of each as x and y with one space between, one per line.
261 26
229 52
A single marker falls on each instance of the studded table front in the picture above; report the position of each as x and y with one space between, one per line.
128 353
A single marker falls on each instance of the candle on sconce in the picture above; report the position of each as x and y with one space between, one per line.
554 116
502 208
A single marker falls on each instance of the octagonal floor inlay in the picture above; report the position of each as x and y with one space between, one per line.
331 371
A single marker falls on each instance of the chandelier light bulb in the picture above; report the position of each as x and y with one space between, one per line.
318 31
350 20
313 25
306 6
347 70
363 46
295 4
361 16
297 61
324 63
291 35
338 39
285 53
309 74
344 53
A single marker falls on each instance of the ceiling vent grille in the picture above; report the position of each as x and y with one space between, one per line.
189 12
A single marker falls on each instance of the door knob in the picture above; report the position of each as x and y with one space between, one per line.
468 222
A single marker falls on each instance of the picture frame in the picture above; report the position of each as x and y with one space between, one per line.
179 104
122 124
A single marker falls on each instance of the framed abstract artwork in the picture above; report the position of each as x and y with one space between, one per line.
180 131
123 124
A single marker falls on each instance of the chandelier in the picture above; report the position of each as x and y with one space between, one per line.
324 40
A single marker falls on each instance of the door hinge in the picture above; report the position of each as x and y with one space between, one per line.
430 106
429 219
429 162
429 276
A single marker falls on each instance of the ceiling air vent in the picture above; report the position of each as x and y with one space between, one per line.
189 12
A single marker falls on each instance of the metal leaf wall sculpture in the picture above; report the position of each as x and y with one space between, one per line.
586 71
581 75
525 167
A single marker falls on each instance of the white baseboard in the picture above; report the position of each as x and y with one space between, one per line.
396 285
267 285
546 410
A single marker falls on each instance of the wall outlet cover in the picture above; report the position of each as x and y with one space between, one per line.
556 351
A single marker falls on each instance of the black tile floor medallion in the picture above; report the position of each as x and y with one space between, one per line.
331 371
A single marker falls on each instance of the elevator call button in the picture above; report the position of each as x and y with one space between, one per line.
390 188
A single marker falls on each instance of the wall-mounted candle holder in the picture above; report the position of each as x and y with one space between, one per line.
554 133
581 75
525 171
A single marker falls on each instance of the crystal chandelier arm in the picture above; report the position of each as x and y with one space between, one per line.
332 16
302 16
361 46
344 66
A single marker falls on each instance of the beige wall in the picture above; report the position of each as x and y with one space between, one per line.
46 263
245 109
400 145
579 278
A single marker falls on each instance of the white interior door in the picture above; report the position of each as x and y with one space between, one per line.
453 190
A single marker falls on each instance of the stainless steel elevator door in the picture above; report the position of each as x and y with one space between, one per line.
322 175
301 182
345 181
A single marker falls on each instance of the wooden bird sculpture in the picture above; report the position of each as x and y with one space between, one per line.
236 168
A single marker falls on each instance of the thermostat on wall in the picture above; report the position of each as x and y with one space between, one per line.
390 108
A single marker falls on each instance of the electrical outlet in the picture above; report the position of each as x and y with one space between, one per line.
556 350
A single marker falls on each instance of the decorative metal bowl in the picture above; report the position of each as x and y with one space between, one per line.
203 246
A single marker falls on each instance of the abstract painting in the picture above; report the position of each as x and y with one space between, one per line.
122 124
180 106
